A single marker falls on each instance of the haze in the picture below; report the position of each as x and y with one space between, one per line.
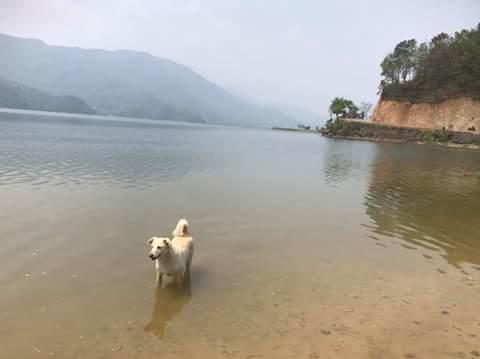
276 52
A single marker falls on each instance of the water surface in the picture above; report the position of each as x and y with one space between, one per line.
305 247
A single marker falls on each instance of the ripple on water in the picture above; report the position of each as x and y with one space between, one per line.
428 200
281 267
43 164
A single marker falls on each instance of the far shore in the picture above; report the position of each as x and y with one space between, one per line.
364 130
289 129
377 132
97 116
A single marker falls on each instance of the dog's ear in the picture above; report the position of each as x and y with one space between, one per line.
165 241
150 240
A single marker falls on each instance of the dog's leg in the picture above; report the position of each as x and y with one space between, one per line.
179 278
182 276
159 272
190 257
159 277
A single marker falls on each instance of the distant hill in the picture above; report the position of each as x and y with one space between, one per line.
304 116
15 95
128 83
297 114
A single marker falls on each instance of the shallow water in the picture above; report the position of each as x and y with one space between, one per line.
305 247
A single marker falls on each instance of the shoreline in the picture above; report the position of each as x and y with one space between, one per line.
375 132
287 129
386 140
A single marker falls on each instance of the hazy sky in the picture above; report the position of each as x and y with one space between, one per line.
301 52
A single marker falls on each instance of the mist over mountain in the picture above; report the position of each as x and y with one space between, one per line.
15 95
298 114
129 83
303 116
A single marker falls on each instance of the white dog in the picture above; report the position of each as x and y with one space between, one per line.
173 257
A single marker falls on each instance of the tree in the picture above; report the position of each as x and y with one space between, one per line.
420 60
440 40
365 107
389 69
404 57
352 110
446 66
343 108
339 107
400 64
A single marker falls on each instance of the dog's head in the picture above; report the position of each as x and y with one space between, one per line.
159 246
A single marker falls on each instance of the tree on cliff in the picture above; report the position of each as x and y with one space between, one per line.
389 69
343 108
400 64
446 66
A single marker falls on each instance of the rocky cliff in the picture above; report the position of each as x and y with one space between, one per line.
458 114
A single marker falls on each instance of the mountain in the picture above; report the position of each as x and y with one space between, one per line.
15 95
128 83
296 114
304 116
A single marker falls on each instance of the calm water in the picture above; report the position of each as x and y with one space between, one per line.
305 247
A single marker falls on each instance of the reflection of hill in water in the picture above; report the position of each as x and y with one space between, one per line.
430 198
80 151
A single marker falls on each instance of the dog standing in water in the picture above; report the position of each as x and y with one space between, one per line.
173 257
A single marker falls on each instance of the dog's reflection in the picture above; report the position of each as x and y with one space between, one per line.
169 301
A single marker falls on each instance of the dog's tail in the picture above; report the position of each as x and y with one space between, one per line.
182 228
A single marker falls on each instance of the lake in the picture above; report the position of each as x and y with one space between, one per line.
306 247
